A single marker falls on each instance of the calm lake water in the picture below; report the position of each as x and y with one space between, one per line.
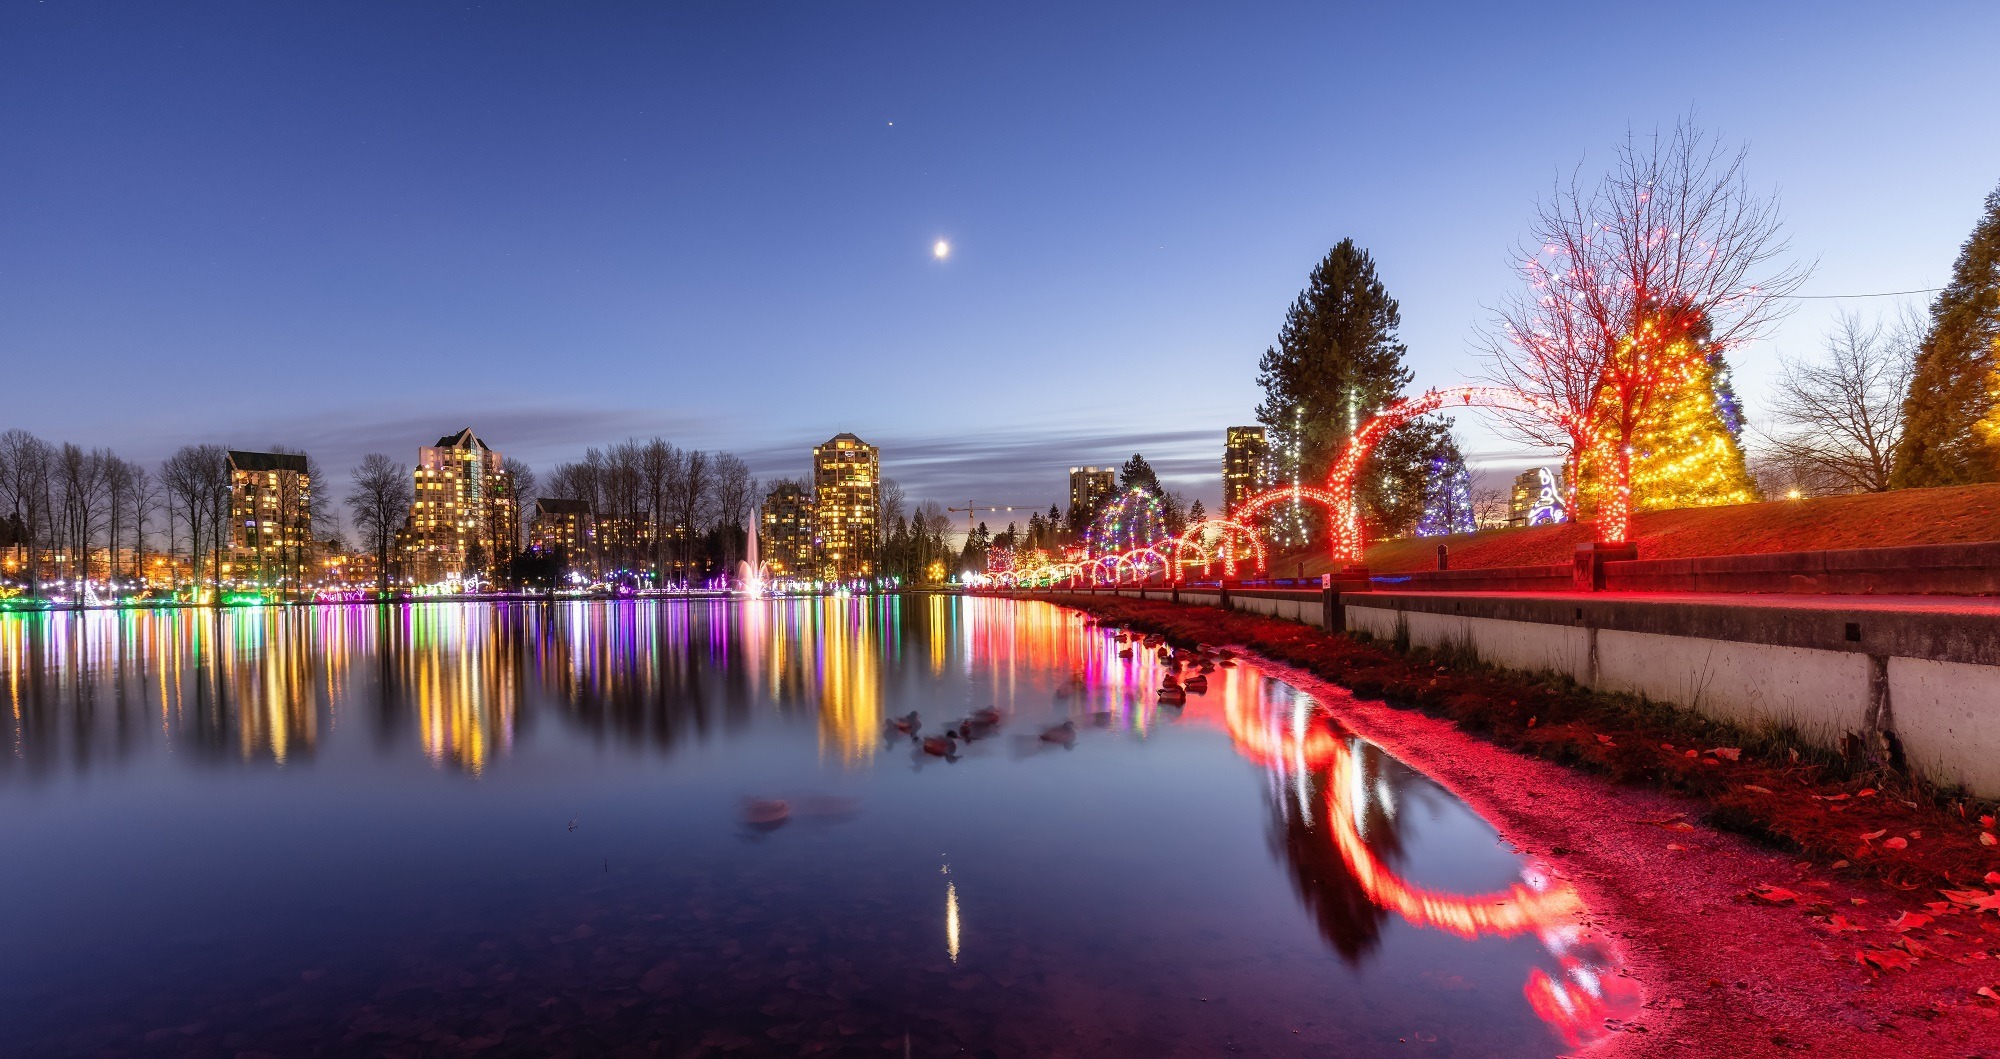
517 829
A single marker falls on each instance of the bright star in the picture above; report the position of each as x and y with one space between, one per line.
941 250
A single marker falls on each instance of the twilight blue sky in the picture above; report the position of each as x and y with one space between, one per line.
361 226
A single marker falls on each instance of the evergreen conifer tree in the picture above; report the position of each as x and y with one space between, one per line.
1951 432
1336 363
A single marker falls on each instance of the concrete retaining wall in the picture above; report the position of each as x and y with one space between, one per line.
1919 673
1924 677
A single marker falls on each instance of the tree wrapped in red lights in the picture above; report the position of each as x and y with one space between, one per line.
1620 279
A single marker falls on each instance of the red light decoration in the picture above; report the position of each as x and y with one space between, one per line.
1227 531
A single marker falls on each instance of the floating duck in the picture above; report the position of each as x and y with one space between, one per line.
908 723
984 715
1063 734
1197 684
945 745
765 813
1124 652
1173 696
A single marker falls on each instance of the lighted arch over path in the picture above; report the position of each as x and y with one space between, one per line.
1191 540
1340 480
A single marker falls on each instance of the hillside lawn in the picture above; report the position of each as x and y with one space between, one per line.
1946 515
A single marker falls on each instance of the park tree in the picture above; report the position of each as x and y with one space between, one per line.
1842 415
1619 276
1447 494
380 500
1336 363
1952 412
1688 449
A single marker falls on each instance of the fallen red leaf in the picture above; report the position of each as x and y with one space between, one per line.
1873 835
1728 753
1754 787
1899 842
1986 822
1993 878
1865 792
1908 921
1840 923
1885 959
1987 992
1986 839
1776 895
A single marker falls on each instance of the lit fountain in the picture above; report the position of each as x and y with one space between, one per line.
751 573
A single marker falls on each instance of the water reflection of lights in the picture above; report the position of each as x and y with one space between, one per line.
1295 744
950 916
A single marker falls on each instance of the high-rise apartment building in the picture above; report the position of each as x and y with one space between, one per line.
270 516
785 532
1088 487
461 520
562 527
1246 461
847 488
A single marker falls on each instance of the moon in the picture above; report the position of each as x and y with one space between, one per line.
941 250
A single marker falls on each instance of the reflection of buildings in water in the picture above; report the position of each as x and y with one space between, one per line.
849 677
465 695
236 684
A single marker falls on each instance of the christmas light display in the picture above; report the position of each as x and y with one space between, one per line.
1135 519
1340 481
1684 453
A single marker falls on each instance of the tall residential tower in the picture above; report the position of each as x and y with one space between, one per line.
847 491
1246 457
460 521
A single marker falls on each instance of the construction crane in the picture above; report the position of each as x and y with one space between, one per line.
975 507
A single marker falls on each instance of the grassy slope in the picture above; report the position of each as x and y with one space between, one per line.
1954 515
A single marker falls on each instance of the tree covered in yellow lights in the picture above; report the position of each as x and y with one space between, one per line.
1687 449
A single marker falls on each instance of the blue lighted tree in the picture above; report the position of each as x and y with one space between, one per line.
1447 495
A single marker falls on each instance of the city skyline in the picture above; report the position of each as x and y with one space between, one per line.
431 216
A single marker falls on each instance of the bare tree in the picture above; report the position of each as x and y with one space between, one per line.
118 483
27 467
521 476
661 467
1845 411
142 500
692 499
380 500
1621 279
735 492
80 480
196 478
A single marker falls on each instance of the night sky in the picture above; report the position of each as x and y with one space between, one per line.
357 227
